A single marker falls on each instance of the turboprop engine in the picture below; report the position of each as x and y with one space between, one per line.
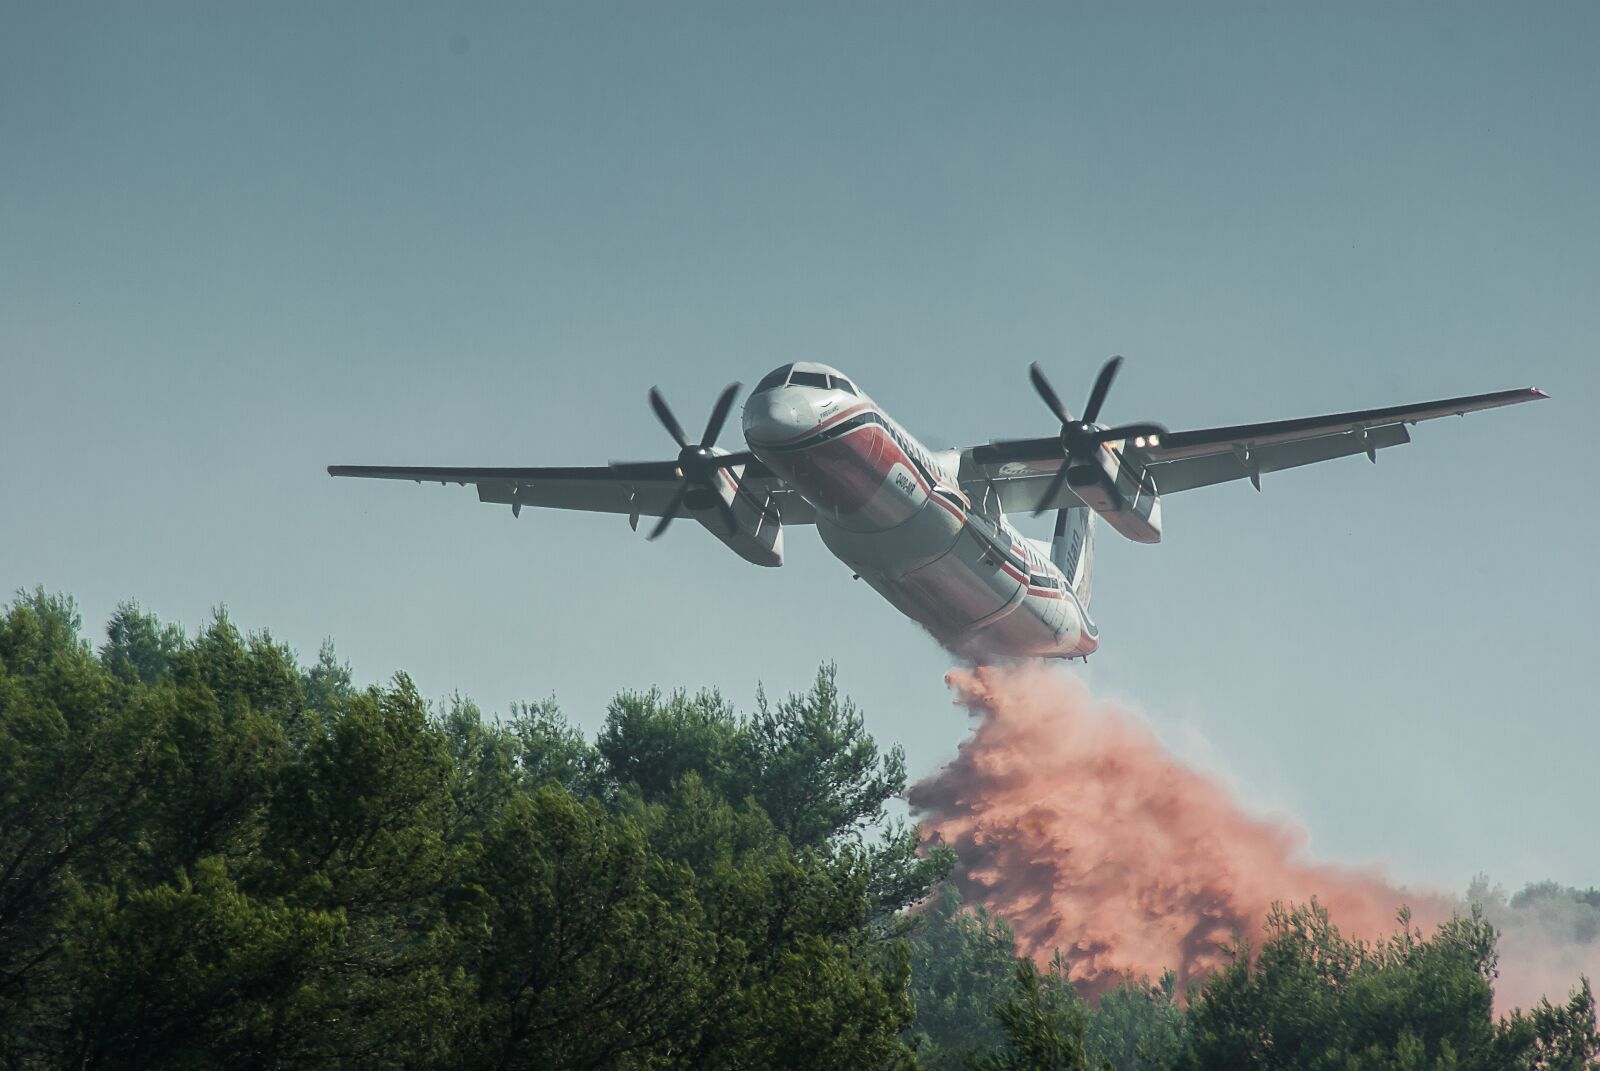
714 491
1096 462
742 514
1117 487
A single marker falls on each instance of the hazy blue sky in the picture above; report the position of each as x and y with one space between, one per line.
238 243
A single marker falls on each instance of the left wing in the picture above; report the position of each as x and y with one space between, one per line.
636 489
1018 471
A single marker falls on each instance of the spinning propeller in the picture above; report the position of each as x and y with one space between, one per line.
698 465
1081 439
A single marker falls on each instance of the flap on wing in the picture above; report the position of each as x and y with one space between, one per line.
648 499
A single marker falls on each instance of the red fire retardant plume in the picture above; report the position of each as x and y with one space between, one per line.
1079 828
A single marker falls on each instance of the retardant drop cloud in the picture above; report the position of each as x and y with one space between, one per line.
1075 824
1081 829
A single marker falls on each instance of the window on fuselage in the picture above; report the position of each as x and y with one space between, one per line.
809 379
775 378
841 383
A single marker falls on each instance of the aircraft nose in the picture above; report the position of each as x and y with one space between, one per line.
778 415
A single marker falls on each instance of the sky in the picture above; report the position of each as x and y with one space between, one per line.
241 242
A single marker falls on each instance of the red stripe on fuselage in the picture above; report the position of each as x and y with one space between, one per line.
844 474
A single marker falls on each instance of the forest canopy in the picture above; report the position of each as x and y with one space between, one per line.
214 855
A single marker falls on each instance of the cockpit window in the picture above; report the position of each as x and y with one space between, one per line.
775 378
809 379
841 383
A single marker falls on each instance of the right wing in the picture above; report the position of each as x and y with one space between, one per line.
1019 470
636 489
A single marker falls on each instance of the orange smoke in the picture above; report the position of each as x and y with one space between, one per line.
1081 830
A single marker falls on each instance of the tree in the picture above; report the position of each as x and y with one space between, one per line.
189 973
547 748
963 965
327 683
650 741
75 763
138 647
211 856
1553 1037
1044 1023
1311 996
593 950
817 772
1138 1026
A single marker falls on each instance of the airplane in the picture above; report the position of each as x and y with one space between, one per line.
928 529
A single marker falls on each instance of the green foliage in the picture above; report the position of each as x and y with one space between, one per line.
546 748
1314 999
1044 1023
817 773
212 856
138 647
589 948
327 684
963 966
189 973
1553 1037
650 742
1138 1026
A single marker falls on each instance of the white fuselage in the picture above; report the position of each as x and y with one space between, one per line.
893 511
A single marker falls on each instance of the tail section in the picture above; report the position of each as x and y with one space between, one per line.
1072 549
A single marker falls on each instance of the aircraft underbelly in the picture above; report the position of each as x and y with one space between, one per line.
1037 626
960 592
961 588
973 616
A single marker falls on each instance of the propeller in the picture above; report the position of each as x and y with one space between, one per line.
1081 438
697 464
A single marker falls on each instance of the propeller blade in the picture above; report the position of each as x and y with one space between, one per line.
1048 393
719 413
1055 488
672 511
670 422
1102 383
645 470
728 461
1128 431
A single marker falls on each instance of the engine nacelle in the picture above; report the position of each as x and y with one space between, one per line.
758 537
1138 515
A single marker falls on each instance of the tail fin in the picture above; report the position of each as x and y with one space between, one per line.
1072 549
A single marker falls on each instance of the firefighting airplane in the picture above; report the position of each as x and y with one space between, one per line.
927 528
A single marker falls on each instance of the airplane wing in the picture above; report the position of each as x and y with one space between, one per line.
1019 470
636 489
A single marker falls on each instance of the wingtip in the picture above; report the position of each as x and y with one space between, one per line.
1537 393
